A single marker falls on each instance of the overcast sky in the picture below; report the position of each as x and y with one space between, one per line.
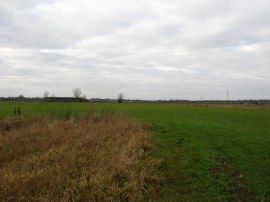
147 49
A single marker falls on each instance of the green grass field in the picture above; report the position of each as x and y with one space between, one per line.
208 153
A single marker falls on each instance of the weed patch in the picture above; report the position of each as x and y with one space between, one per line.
94 158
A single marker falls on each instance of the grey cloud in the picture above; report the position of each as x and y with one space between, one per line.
146 49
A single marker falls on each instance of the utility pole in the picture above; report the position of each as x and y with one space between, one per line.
227 95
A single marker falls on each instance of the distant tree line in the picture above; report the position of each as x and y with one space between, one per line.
21 98
78 97
256 102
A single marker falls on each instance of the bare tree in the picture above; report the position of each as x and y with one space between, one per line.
77 92
120 98
46 94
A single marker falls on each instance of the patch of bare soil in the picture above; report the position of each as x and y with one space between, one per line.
233 183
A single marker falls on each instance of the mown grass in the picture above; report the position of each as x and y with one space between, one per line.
208 153
88 158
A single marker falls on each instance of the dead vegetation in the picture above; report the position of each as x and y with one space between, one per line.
95 158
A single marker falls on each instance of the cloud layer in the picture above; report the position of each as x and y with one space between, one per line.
153 49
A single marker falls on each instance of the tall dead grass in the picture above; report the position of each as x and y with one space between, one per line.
95 158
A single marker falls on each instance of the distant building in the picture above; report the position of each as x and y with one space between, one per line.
64 99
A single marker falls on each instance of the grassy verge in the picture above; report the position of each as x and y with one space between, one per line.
94 158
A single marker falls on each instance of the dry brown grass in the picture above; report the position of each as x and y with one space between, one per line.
96 158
